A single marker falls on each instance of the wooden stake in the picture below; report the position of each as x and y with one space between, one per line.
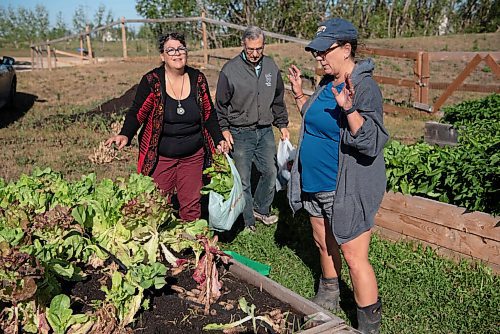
124 38
40 56
205 46
49 61
32 59
81 49
418 76
89 45
55 57
425 78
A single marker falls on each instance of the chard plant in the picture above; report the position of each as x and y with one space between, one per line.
221 178
206 273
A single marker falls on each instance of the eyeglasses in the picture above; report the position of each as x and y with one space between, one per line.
322 54
172 52
252 50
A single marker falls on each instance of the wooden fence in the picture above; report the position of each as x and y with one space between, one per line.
421 83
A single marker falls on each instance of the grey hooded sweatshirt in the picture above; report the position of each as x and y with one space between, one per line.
361 179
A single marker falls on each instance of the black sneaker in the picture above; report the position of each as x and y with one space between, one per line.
265 219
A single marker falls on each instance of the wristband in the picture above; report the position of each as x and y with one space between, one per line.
298 97
349 111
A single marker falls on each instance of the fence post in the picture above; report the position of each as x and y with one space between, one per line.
40 56
49 61
89 45
425 78
32 59
124 38
205 46
418 77
55 57
81 49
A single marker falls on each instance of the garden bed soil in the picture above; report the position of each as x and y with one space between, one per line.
170 314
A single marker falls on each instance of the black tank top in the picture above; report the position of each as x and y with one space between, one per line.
181 135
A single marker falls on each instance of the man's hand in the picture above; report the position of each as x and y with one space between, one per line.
223 147
119 140
284 133
229 139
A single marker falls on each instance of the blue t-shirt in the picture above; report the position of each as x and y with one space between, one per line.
319 152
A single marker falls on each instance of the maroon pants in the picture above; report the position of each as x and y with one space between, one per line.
184 175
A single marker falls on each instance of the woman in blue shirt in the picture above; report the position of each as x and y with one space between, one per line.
339 173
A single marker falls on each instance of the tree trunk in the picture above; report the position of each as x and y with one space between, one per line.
389 20
404 18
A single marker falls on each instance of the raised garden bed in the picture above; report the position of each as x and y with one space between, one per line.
452 231
103 257
170 313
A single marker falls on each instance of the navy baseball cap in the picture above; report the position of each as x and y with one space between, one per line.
330 32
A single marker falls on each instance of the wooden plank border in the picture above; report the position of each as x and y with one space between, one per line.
451 230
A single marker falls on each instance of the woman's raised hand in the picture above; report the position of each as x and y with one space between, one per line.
345 97
119 140
295 80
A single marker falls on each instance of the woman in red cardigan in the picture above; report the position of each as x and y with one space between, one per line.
179 126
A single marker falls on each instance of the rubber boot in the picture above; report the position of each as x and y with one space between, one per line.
328 295
369 318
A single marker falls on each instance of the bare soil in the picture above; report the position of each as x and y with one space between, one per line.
170 314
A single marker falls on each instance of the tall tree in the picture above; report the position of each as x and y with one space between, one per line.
60 29
80 19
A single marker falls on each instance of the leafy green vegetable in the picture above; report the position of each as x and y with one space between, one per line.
466 175
221 178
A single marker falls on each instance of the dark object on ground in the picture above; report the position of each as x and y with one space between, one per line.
117 104
22 104
107 110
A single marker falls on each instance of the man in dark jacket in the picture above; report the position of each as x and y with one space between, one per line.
249 100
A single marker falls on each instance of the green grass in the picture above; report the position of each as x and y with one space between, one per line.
421 291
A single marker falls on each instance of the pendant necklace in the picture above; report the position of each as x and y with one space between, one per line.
180 109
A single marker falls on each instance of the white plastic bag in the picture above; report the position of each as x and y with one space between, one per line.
222 214
286 154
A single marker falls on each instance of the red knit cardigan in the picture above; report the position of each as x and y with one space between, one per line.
148 112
